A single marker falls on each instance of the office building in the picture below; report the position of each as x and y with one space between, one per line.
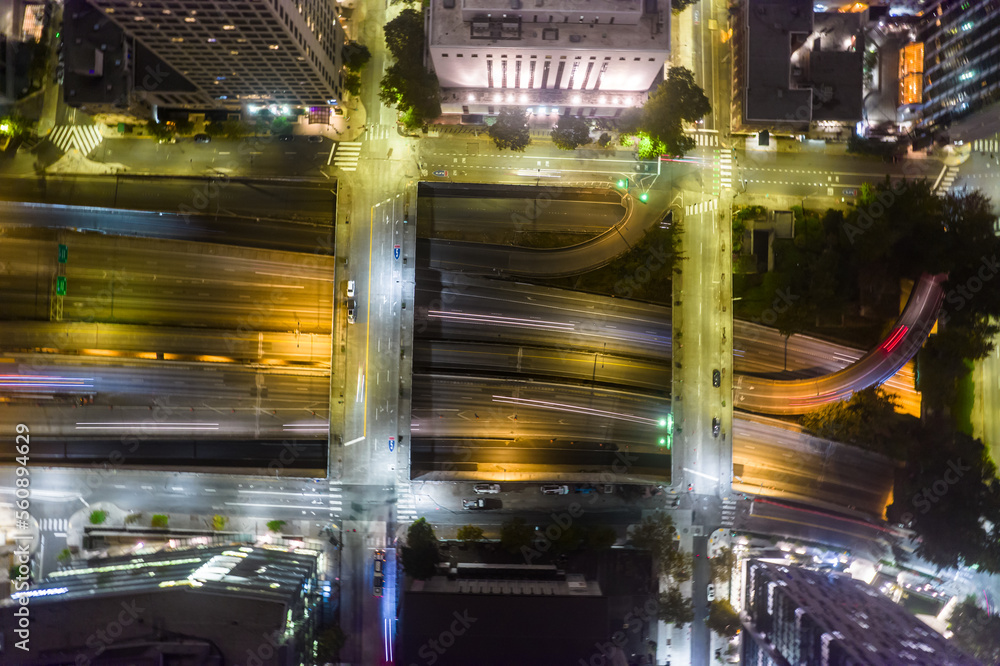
229 53
961 68
207 605
798 616
799 71
553 56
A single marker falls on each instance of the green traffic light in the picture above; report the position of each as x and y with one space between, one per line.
663 422
663 441
621 183
644 197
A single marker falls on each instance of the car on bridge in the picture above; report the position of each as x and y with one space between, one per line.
486 488
555 490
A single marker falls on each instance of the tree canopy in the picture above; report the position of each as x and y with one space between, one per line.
510 131
571 132
469 533
408 84
420 555
723 619
515 534
976 631
355 56
867 420
674 607
722 565
676 101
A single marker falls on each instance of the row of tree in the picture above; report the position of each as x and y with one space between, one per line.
408 84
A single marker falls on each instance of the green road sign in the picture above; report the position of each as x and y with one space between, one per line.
61 285
63 253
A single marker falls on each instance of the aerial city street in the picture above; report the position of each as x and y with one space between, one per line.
499 333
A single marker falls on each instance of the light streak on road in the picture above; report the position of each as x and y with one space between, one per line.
305 507
147 426
502 321
701 474
306 427
575 409
42 381
825 515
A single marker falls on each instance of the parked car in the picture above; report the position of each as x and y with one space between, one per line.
716 378
711 593
716 426
285 137
377 585
202 138
379 560
350 288
486 488
352 306
583 490
555 490
850 192
315 138
478 503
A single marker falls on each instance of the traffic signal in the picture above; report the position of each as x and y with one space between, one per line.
644 197
61 285
622 183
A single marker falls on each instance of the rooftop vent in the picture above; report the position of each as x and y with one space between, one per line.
576 38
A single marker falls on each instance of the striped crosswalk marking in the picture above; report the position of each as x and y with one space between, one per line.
84 138
54 524
728 512
406 504
949 176
986 145
703 207
708 139
726 169
346 157
336 498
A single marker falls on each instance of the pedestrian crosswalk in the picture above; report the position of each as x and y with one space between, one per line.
82 137
729 507
380 131
703 207
336 499
347 154
946 179
725 169
406 503
986 145
54 524
707 139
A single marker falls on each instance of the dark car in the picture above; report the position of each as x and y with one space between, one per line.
285 137
378 573
352 307
202 138
716 426
716 378
315 138
481 503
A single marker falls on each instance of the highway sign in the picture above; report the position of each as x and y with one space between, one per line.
60 285
63 253
441 174
395 251
392 443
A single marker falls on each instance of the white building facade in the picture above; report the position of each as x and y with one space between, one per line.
238 52
568 57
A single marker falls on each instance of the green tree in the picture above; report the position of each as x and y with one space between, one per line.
352 83
355 56
159 131
867 420
98 516
183 126
515 535
219 522
281 125
275 525
133 518
420 555
723 619
679 565
64 556
680 5
159 520
510 131
722 565
470 533
231 129
976 631
404 36
215 129
674 607
571 132
329 643
656 533
676 101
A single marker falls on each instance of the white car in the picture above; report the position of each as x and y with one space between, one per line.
555 490
486 488
711 593
350 288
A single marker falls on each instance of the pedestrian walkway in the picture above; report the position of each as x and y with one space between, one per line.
728 512
986 145
702 138
946 179
54 524
406 504
347 154
725 169
336 500
84 138
703 207
381 131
